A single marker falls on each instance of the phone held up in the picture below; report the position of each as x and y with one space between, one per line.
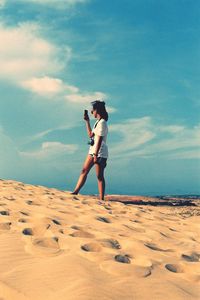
86 117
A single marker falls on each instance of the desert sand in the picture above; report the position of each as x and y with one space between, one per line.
57 246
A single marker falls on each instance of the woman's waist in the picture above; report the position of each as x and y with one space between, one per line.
103 141
103 147
103 144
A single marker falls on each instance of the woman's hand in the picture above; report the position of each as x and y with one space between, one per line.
95 158
86 117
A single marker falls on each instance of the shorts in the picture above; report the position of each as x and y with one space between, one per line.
102 161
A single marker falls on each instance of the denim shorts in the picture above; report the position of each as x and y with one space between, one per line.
102 161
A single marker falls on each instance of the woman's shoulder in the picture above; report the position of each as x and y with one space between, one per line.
103 121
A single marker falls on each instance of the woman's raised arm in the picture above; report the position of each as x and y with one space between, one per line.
89 130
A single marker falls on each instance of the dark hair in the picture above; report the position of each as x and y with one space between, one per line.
100 107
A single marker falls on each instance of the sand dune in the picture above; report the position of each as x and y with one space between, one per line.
57 246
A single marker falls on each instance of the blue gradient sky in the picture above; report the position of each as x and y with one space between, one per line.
142 57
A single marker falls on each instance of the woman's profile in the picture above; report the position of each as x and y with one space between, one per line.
98 151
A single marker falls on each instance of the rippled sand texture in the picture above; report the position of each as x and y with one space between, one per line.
57 246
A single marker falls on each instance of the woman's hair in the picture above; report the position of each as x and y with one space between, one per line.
100 107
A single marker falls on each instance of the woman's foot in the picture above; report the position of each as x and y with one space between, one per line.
74 193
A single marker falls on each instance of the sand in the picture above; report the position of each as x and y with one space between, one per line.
57 246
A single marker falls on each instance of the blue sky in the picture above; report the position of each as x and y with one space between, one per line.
142 57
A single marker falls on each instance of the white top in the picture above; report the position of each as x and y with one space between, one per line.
101 129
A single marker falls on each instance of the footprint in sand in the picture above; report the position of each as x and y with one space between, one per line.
23 220
78 206
141 230
156 248
47 246
56 222
5 226
91 247
19 189
82 234
123 258
28 231
64 212
10 198
122 212
165 235
175 268
76 227
136 221
24 213
193 257
142 272
48 242
111 243
103 219
30 202
4 213
86 202
172 229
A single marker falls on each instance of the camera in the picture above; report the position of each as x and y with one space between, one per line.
91 142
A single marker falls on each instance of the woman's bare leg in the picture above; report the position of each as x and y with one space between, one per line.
88 164
101 180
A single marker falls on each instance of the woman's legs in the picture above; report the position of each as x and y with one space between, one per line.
88 164
101 180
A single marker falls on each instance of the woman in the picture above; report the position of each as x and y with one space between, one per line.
98 151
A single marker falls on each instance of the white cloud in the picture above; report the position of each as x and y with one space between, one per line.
85 98
111 109
2 3
29 61
190 154
172 128
42 134
51 3
47 86
36 165
25 54
134 132
144 138
51 150
55 3
44 85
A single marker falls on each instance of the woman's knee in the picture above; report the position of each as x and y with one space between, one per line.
100 177
84 171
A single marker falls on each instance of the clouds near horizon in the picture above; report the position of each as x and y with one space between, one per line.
51 3
146 138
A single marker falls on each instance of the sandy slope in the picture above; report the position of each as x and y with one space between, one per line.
57 246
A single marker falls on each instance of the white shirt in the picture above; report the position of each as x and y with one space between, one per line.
101 129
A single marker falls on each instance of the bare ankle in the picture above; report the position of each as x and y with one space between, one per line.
74 193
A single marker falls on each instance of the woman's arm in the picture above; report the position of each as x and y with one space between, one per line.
89 130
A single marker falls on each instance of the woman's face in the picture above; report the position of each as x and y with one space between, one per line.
94 112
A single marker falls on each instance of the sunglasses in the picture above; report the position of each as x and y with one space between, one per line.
92 111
